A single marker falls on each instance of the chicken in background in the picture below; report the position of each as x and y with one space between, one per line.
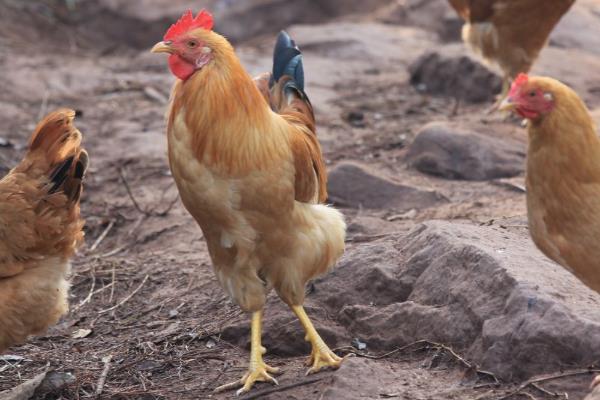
40 228
509 33
249 169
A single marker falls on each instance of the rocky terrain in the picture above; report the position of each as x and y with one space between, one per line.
440 295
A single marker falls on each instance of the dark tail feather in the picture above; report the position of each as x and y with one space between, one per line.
60 175
57 138
287 60
68 176
73 181
287 80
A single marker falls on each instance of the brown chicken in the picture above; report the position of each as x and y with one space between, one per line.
40 228
563 174
249 169
509 33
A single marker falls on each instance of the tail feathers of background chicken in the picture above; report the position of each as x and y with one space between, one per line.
287 80
55 147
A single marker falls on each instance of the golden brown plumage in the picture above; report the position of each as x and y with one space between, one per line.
40 228
563 174
249 169
509 33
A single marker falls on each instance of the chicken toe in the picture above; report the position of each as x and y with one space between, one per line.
258 370
322 356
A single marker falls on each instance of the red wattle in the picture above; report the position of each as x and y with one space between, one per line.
180 68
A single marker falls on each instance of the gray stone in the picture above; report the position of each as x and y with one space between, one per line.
351 185
452 153
457 77
485 291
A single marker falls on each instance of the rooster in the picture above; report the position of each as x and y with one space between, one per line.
249 169
509 33
40 228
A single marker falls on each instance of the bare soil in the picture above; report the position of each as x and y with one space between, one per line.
142 284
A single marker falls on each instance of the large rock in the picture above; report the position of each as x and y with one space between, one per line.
351 185
485 291
457 77
451 153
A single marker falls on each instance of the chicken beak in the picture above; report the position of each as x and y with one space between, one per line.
507 104
162 47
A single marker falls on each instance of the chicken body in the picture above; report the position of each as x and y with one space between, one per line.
40 229
249 169
509 33
563 175
257 234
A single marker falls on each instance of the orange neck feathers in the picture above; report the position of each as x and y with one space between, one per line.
564 143
224 111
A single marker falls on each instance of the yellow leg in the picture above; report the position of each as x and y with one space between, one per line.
258 371
506 82
321 356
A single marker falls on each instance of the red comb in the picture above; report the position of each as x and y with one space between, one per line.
519 81
187 22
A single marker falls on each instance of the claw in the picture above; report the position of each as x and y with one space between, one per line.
321 356
259 373
323 359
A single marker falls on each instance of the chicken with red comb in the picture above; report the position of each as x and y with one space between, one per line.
563 174
249 169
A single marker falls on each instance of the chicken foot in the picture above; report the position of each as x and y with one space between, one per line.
322 356
258 371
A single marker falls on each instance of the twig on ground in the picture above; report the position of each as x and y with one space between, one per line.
102 379
91 293
545 391
103 288
148 213
102 235
126 299
168 209
112 289
276 389
459 358
113 251
534 382
130 193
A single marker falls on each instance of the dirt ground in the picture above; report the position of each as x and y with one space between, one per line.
142 287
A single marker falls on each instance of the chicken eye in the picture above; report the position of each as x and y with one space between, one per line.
532 94
192 43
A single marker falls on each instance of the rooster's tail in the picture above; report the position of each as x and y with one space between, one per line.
287 80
